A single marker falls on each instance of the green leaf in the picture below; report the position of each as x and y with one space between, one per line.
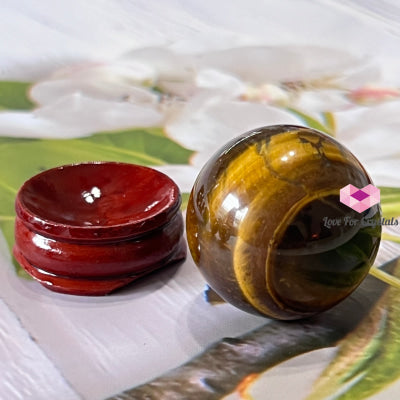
185 200
23 158
367 360
353 355
390 201
327 125
391 238
7 228
14 95
329 121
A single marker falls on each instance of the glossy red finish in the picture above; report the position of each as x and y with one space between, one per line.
97 201
91 228
122 257
92 286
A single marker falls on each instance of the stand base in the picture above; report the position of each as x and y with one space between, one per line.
92 286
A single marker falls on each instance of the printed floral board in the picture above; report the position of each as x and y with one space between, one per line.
164 337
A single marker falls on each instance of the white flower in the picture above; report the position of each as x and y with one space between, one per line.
203 100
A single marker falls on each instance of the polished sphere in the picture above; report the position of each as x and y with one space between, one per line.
266 227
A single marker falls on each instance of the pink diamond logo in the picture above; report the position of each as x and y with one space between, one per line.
360 199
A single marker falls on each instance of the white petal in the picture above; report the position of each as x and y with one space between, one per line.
167 64
82 115
174 72
76 115
206 123
321 100
385 172
112 83
26 124
183 175
372 135
214 79
267 93
372 131
358 74
282 64
123 70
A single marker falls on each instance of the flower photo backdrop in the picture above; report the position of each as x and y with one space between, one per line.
171 106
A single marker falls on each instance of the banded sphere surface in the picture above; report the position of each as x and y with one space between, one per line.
266 227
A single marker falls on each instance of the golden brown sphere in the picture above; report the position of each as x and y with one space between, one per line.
266 227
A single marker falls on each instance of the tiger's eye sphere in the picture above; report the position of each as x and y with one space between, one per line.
266 227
